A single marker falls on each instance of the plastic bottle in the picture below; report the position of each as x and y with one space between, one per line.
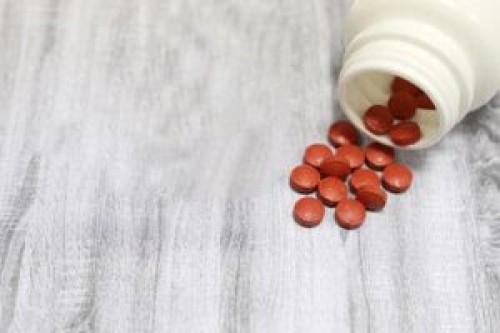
448 48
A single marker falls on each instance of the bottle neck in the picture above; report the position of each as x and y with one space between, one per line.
430 60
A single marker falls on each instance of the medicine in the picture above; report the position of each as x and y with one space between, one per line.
403 105
331 191
335 166
372 197
350 214
342 133
363 177
379 156
424 102
378 119
447 50
355 155
405 133
397 178
308 212
304 179
400 84
315 154
325 173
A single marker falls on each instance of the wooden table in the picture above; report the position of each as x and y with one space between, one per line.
145 147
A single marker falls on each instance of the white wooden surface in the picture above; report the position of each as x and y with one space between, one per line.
144 153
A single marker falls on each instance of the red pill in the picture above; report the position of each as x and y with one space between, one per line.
405 133
400 84
350 214
363 177
355 155
372 197
331 191
378 119
424 102
403 105
335 166
379 156
343 132
315 154
304 179
397 178
308 212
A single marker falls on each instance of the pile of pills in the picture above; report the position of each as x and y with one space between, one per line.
395 118
347 177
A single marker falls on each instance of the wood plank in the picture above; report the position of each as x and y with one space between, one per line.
144 153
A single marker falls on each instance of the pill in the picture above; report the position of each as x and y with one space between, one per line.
378 119
379 156
397 178
331 191
362 177
335 166
424 102
403 105
400 84
405 133
308 212
343 132
350 214
315 154
355 155
304 179
372 197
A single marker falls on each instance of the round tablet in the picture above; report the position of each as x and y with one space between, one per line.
315 154
378 119
355 155
335 166
331 191
405 133
400 84
343 132
424 102
362 177
397 178
403 105
308 212
372 197
350 214
304 179
379 156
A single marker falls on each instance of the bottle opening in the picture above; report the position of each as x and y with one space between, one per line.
363 89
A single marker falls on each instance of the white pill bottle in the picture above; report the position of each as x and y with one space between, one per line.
450 49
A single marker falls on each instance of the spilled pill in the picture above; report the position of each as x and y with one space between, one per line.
331 191
335 166
315 154
372 197
363 177
308 212
355 155
304 179
350 214
397 178
343 132
379 156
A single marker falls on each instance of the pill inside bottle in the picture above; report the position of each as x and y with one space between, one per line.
368 96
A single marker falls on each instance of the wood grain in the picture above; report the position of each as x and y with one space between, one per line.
144 153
